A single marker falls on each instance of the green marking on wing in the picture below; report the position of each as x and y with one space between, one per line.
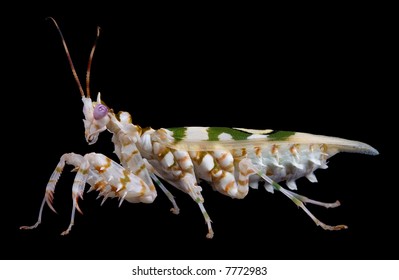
280 135
178 133
214 132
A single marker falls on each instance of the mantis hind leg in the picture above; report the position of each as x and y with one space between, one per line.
300 201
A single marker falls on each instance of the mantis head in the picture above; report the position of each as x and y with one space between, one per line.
96 113
96 118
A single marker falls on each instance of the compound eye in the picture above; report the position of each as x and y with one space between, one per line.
100 111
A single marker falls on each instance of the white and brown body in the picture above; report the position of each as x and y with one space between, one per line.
231 160
282 156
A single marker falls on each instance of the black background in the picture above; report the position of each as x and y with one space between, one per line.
322 74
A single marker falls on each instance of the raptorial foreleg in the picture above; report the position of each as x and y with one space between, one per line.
130 157
50 188
103 175
77 191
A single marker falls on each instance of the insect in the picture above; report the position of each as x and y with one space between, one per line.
230 160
